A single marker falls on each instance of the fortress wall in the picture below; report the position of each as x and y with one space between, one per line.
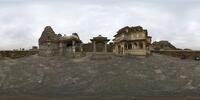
183 54
16 54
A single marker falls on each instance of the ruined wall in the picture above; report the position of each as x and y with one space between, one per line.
183 54
48 49
136 52
88 47
16 54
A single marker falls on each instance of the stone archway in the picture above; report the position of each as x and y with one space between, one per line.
99 44
100 47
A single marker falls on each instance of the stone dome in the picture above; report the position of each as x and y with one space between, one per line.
65 37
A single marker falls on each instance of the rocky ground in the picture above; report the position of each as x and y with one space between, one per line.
156 75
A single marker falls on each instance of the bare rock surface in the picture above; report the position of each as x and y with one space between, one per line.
156 75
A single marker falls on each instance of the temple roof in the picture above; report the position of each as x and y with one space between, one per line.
100 38
48 35
73 37
128 29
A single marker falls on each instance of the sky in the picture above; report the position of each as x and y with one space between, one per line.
22 21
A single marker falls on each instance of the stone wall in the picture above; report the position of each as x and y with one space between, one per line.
89 47
48 49
16 54
183 54
136 52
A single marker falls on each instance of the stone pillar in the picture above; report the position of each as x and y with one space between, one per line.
81 46
123 49
138 45
133 45
73 47
144 45
60 48
94 46
105 46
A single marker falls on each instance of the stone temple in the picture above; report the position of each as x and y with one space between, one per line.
51 44
127 41
132 41
99 44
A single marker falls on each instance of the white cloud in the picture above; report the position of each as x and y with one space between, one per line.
22 21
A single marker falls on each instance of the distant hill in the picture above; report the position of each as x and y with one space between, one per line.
163 45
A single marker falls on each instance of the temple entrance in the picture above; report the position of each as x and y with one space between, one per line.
99 44
100 47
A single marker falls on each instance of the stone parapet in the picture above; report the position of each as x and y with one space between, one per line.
16 54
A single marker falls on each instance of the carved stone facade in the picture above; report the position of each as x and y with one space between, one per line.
52 44
132 41
100 44
127 41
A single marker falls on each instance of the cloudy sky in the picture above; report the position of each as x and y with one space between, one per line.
22 21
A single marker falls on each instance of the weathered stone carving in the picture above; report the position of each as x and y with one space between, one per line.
52 44
128 40
132 41
99 43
